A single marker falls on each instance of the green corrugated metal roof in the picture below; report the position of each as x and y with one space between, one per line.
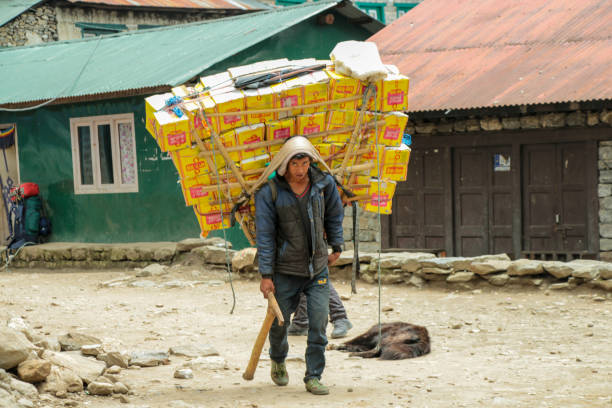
137 59
9 9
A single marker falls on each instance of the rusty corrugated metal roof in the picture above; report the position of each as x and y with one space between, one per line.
484 53
182 4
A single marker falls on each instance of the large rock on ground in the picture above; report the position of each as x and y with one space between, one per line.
86 368
346 258
460 277
74 341
497 279
243 259
590 269
100 388
34 371
149 358
605 284
14 348
524 267
558 269
213 254
115 358
61 379
489 266
18 324
188 244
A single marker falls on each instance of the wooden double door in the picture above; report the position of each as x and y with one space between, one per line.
497 199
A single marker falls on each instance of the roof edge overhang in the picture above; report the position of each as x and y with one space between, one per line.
506 110
89 98
66 3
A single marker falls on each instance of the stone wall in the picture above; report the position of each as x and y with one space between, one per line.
423 269
604 192
49 22
525 122
35 26
68 16
369 231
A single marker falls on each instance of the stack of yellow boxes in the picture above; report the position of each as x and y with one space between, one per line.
182 123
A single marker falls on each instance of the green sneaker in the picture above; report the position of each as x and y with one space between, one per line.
315 387
279 374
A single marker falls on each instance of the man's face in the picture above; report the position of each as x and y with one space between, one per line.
297 169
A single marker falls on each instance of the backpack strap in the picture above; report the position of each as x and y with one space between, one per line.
273 190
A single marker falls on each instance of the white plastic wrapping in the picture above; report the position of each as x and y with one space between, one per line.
358 59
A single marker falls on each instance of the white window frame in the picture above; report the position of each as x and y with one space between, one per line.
97 187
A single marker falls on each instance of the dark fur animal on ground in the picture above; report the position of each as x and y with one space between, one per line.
399 340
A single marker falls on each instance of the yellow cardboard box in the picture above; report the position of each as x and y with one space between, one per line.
259 99
391 132
341 87
212 83
395 93
256 162
193 190
288 94
338 119
230 102
362 181
188 164
316 90
311 123
229 140
153 104
212 221
251 134
172 132
381 193
395 166
279 129
373 103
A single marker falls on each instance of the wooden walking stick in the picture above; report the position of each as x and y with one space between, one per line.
272 312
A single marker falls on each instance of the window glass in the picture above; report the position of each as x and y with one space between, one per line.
104 154
127 152
105 149
84 139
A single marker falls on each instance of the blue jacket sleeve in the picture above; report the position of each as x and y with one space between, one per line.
334 214
265 225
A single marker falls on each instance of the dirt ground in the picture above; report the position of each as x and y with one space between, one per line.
506 348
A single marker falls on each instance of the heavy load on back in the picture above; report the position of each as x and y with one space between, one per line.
224 132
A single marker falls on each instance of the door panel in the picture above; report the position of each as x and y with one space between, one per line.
555 197
483 205
417 220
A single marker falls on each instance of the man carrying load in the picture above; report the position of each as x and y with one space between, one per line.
298 213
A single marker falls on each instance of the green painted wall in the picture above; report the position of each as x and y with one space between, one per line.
157 212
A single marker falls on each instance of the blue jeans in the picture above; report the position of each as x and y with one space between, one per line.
336 309
287 293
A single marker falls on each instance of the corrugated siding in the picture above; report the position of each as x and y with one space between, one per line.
9 9
139 59
186 4
483 53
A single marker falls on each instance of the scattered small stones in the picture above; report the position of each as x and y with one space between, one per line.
113 370
149 358
183 373
74 341
92 349
100 388
34 371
